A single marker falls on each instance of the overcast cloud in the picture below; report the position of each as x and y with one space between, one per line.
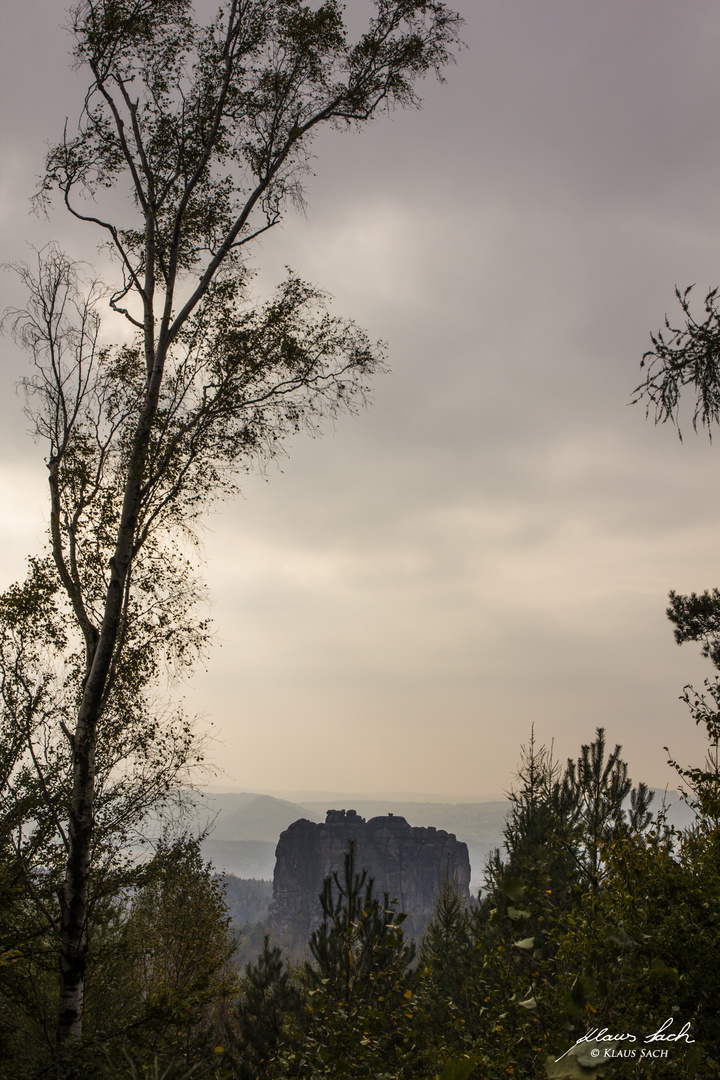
491 544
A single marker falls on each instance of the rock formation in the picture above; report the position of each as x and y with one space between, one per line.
406 862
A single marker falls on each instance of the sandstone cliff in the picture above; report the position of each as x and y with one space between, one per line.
406 862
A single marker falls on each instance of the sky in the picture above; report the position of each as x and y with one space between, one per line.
489 546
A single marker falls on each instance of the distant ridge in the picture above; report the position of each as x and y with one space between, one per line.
259 818
248 825
304 797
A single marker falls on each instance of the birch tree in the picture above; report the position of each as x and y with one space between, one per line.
207 129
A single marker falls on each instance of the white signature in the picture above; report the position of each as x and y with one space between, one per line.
602 1035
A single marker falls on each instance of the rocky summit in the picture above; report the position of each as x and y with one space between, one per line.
406 862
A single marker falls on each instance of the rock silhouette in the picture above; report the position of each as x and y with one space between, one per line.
406 862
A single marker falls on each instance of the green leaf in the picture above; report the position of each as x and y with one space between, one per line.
514 889
459 1069
517 914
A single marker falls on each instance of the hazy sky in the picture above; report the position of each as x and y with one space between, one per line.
492 543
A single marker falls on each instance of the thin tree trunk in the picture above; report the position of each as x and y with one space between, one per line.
75 894
74 913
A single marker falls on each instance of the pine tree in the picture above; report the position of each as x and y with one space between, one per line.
268 1002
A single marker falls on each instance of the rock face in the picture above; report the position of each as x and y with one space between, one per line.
406 862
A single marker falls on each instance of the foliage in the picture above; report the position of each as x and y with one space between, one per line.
498 981
541 832
685 356
160 969
559 818
178 936
268 1004
446 942
597 789
143 755
644 951
682 359
701 783
28 956
697 618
